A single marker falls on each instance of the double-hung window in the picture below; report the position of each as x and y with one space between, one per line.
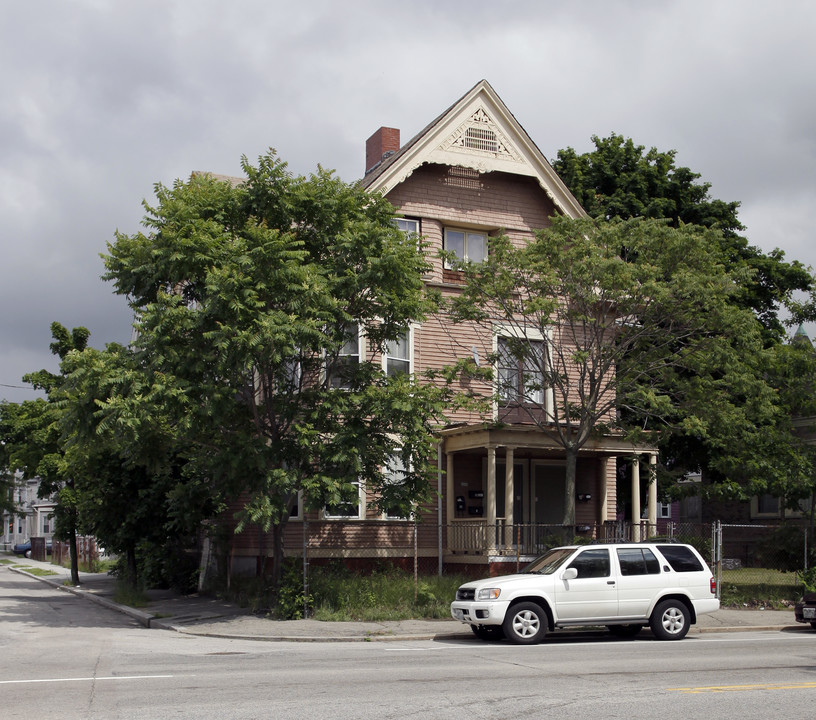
350 506
397 356
394 476
466 245
409 226
520 371
349 356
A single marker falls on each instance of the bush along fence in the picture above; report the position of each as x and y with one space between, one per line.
753 564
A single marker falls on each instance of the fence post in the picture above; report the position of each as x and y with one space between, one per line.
305 570
716 554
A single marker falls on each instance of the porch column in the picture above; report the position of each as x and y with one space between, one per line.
509 496
450 500
490 500
652 494
636 498
603 497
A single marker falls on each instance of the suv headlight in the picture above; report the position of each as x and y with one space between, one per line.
488 594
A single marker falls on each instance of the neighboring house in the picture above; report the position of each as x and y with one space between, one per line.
471 173
34 516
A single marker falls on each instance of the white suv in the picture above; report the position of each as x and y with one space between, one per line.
622 586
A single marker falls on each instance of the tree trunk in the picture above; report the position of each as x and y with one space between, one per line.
277 555
72 542
569 486
131 570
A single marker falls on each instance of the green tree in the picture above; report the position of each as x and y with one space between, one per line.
252 303
619 179
735 420
132 492
625 308
8 478
33 441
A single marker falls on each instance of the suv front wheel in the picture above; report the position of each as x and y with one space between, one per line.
670 620
525 624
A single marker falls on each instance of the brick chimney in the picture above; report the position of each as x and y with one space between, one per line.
382 143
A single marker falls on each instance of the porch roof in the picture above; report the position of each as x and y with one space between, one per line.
478 436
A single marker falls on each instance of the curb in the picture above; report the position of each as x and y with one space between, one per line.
150 621
138 615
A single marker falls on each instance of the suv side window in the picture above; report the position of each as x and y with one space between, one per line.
592 564
638 561
681 558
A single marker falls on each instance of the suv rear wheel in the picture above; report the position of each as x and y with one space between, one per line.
525 624
670 620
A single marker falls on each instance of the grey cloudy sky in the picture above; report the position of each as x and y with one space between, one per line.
100 99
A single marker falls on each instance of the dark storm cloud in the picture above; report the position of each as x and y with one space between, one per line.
101 99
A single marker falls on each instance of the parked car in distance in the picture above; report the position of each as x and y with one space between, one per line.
623 586
805 611
25 548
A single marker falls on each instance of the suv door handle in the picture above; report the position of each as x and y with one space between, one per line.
610 582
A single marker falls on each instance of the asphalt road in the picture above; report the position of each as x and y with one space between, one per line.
66 658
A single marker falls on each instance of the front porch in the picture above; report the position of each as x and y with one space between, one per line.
505 493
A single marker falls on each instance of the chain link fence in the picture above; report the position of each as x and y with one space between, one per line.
751 557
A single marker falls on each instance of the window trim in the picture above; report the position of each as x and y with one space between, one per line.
409 233
360 506
466 233
388 478
386 356
547 402
337 382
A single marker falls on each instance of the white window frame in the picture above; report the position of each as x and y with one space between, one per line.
394 475
664 511
336 382
409 226
387 356
466 235
360 506
547 401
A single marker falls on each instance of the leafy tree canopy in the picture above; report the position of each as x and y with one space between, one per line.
627 308
251 298
619 179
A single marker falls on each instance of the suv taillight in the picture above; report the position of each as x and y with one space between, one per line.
713 586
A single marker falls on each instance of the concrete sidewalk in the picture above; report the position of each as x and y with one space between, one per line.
200 615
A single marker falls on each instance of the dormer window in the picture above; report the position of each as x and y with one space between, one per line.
466 245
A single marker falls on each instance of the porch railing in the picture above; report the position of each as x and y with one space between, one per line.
478 538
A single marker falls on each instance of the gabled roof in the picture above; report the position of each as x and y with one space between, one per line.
478 132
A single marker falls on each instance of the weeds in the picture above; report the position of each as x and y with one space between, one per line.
124 594
388 594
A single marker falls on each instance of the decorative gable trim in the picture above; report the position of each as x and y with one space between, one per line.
481 136
477 132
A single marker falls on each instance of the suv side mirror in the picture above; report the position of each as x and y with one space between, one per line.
570 573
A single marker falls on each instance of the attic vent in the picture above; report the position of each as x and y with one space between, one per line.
477 138
463 177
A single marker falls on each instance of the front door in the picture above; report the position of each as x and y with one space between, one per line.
548 486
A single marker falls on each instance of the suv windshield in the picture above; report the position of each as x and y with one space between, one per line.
549 562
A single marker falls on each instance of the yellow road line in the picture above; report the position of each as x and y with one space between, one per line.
743 688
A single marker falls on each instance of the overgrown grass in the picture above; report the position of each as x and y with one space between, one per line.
40 572
760 587
97 566
388 594
126 595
